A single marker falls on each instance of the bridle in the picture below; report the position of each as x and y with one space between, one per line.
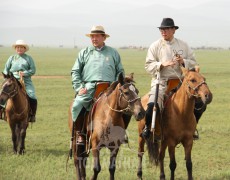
194 88
128 108
10 94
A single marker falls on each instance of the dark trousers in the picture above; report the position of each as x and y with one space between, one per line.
33 106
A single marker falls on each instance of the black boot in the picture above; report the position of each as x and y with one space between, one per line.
1 113
148 119
199 109
33 109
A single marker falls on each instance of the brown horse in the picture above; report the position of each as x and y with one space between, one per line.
105 125
177 123
16 111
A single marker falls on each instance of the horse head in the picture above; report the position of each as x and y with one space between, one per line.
197 86
128 97
9 88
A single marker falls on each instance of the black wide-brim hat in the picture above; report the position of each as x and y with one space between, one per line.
168 22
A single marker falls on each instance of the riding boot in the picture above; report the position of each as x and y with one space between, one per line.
33 109
148 119
80 132
1 113
199 109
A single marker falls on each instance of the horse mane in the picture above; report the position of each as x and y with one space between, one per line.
19 83
112 87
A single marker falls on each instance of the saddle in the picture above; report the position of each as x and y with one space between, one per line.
100 88
171 84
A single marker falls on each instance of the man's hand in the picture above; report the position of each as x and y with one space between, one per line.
82 91
21 74
179 59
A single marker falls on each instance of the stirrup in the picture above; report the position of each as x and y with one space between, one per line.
145 133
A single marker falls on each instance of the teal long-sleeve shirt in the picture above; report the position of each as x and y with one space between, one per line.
23 63
96 65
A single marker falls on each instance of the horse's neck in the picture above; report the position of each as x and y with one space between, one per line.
20 100
114 113
182 99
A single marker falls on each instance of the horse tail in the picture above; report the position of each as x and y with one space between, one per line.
153 150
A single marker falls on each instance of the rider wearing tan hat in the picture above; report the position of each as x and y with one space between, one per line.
97 30
95 63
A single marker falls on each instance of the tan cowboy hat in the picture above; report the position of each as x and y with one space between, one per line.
21 43
97 30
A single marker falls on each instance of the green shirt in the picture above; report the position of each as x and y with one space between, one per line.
96 65
23 63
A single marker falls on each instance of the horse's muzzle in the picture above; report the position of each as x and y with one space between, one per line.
140 115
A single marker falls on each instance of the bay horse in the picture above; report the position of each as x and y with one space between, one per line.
13 95
177 124
105 125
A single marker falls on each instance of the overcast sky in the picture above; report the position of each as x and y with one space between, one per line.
129 22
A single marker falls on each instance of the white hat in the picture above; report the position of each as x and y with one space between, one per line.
20 43
97 30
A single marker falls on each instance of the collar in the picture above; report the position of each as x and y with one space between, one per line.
97 49
168 42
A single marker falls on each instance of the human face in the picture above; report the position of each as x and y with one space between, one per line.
167 33
98 40
20 49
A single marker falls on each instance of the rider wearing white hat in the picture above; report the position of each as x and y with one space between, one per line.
22 65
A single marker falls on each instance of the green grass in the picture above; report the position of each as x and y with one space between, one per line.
47 141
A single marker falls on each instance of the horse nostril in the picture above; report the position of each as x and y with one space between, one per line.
208 98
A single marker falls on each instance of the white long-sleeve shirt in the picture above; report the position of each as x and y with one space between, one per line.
161 51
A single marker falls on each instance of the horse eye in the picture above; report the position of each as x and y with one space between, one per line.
193 80
126 93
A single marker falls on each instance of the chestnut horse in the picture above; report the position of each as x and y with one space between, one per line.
105 125
13 95
177 124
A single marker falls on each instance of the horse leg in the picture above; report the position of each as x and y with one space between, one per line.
172 164
22 137
188 150
14 137
112 165
161 159
140 156
96 160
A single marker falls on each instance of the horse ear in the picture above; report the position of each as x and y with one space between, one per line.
121 79
131 76
4 76
197 68
184 70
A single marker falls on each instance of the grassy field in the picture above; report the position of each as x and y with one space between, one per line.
47 141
